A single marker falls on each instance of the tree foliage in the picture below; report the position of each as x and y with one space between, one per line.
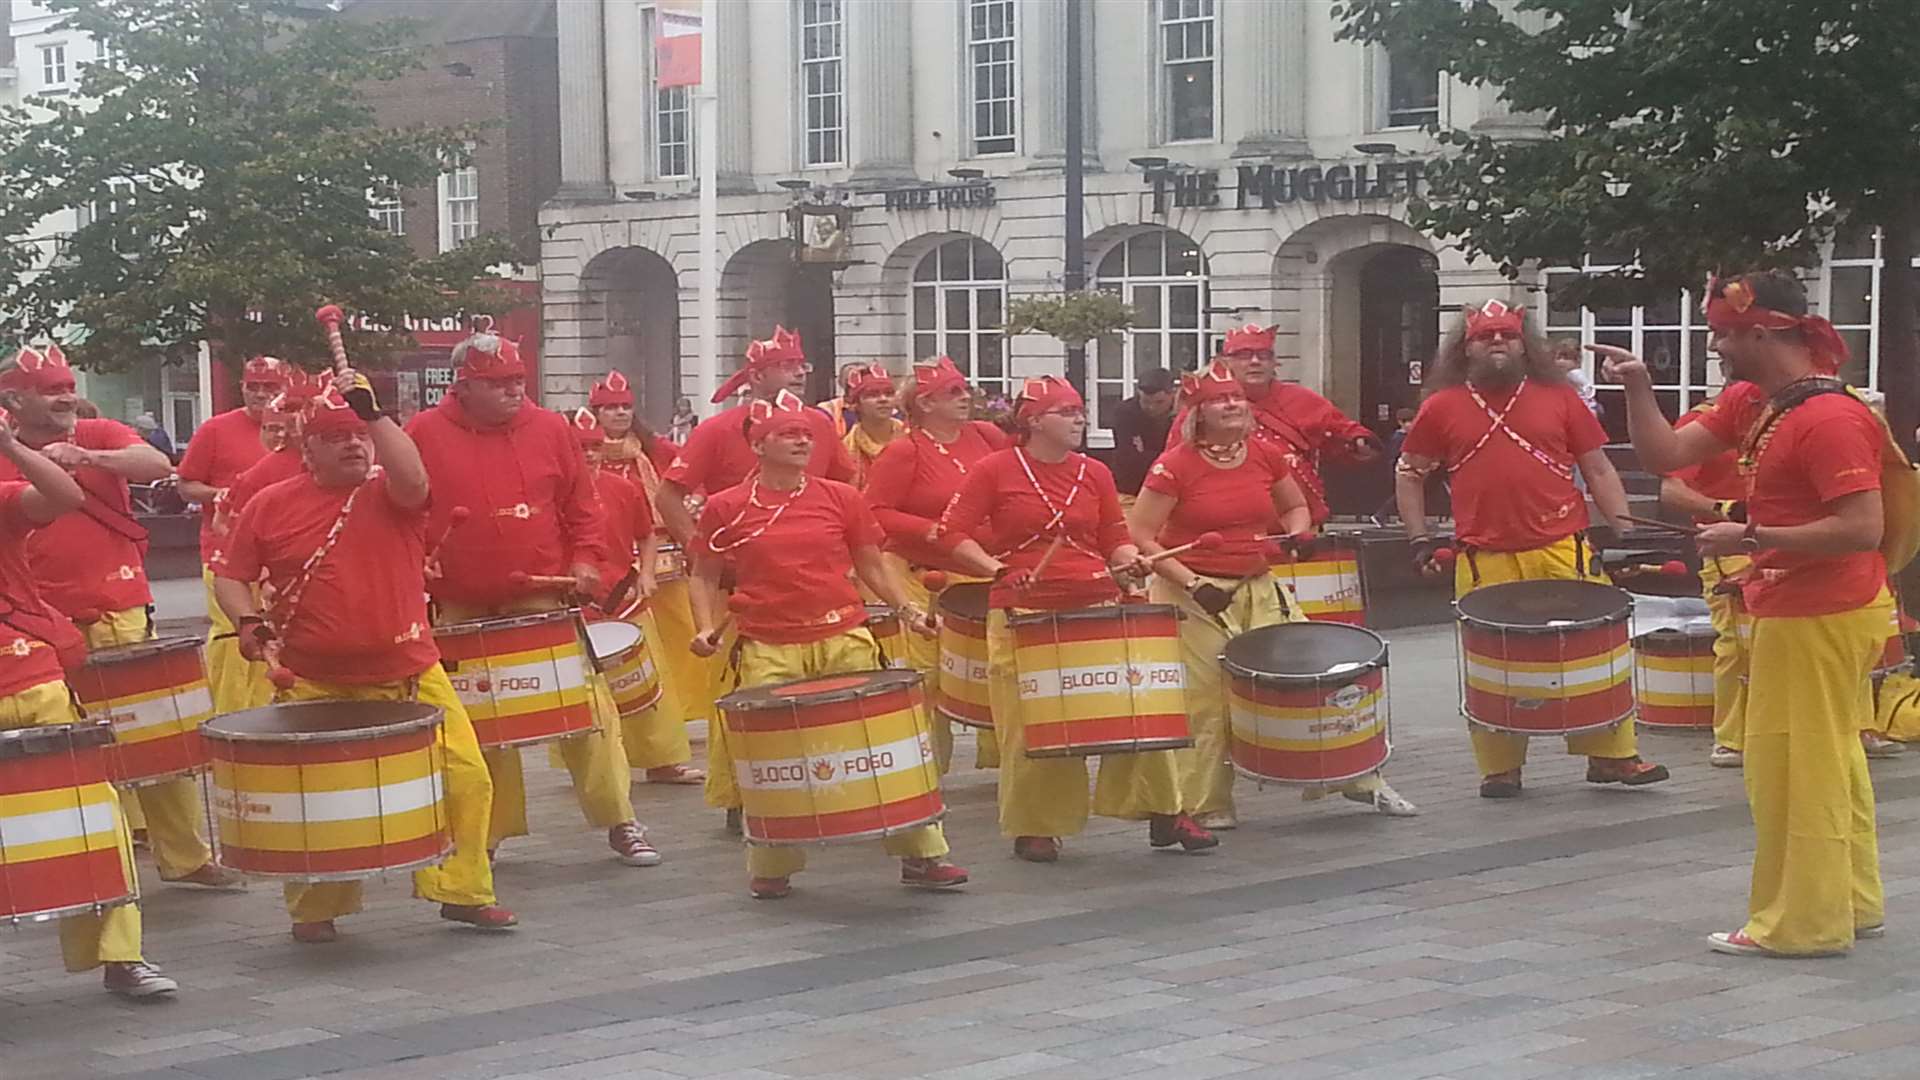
223 162
1073 317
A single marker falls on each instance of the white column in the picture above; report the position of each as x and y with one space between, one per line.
1043 82
1263 47
728 21
879 90
630 142
583 102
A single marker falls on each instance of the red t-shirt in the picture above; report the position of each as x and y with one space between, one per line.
1001 510
628 517
92 561
1505 499
915 478
792 578
1304 425
282 464
1823 449
717 455
1719 476
220 450
362 616
1237 503
32 635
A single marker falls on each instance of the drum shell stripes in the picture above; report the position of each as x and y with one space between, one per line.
1673 680
833 759
1325 721
669 563
889 633
963 696
1545 657
620 648
1327 584
60 848
522 678
1101 680
328 790
155 694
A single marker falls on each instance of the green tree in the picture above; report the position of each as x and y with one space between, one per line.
1700 135
222 161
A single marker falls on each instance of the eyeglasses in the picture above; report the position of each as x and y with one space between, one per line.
1497 335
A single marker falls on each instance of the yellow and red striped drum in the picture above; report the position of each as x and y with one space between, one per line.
60 850
1893 658
884 624
963 655
1545 657
155 694
1327 583
832 759
1307 703
1673 679
669 563
523 678
620 648
328 790
1105 680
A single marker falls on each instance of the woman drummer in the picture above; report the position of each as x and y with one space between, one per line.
1050 517
1219 481
909 486
875 427
794 542
631 450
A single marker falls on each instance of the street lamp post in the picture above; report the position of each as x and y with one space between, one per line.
1075 278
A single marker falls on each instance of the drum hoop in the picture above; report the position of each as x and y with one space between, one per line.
828 697
23 742
1475 721
621 654
1473 622
1350 675
854 838
1105 611
349 875
212 730
504 622
141 650
1258 779
1139 746
73 909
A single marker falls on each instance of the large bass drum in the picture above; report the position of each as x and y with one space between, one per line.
1307 703
1545 657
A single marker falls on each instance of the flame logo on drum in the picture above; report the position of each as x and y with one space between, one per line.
823 770
1135 676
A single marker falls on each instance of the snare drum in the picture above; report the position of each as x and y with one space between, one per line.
832 759
884 623
523 678
669 563
1545 657
1327 583
1673 679
328 790
963 655
1307 703
155 694
621 650
1106 680
60 850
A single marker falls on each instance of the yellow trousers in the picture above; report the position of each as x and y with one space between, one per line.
596 760
1816 859
465 877
761 663
91 939
1048 796
1732 629
923 655
656 737
236 682
1498 752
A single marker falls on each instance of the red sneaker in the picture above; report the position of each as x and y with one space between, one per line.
629 841
1166 830
1506 785
931 874
1036 848
484 916
770 888
1630 771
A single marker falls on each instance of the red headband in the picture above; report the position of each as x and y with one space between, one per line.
782 348
42 372
935 376
783 413
329 414
586 428
1249 339
1209 383
490 356
1731 306
872 379
1045 394
615 391
265 369
300 390
1494 317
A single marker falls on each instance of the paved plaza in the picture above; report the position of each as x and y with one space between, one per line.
1561 935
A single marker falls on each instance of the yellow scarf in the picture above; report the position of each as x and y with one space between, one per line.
866 449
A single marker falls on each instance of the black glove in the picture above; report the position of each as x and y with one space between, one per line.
1304 543
252 634
360 400
1422 551
1212 598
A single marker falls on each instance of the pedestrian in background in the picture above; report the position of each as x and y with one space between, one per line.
1140 427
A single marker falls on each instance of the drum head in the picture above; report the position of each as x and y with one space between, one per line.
321 721
54 738
819 690
1544 605
611 639
1312 650
140 650
505 622
967 600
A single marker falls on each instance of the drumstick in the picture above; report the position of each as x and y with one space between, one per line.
1663 526
330 317
456 517
1204 540
523 579
933 581
1046 557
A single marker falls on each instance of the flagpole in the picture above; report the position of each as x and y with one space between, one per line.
707 150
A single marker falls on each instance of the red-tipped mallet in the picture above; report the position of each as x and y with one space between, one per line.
522 579
933 581
1674 568
1444 556
1204 540
330 318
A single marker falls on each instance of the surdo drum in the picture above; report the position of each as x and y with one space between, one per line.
1673 679
1327 583
1545 657
328 790
155 694
963 655
669 564
1105 680
620 648
523 678
889 633
833 759
60 850
1307 703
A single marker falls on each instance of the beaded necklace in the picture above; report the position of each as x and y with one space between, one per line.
753 502
944 452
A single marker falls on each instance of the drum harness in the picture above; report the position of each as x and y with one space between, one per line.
1582 545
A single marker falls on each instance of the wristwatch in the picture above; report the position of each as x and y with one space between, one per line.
1750 538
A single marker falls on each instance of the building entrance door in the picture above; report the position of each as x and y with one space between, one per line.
810 314
1399 331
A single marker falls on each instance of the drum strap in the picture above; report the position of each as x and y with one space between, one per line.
1564 472
288 601
1057 514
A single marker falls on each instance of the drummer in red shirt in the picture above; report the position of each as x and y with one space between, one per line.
1501 419
909 487
1015 506
1220 479
531 510
873 397
37 641
220 450
717 456
795 541
280 431
91 566
344 547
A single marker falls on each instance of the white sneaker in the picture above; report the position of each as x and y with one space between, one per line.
1217 820
1870 933
629 841
1386 800
1878 746
1726 757
137 979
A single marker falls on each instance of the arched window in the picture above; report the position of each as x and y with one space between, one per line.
1163 275
959 308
